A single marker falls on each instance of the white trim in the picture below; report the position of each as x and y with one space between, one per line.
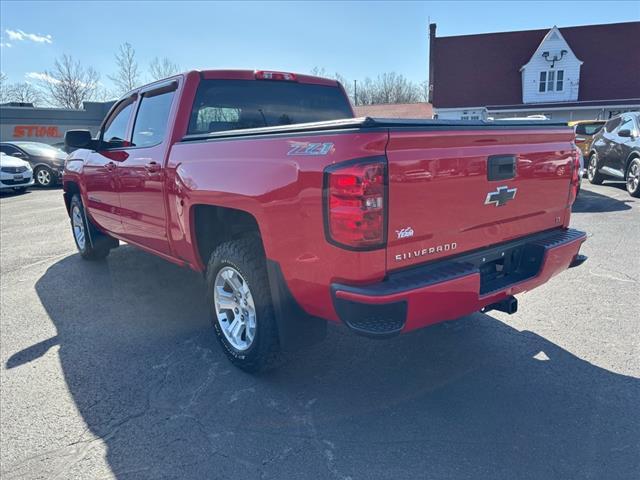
556 30
450 109
537 107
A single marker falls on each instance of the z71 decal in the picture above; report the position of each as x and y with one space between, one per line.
306 148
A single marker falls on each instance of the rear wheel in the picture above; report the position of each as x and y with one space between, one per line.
43 176
91 244
240 303
595 177
633 177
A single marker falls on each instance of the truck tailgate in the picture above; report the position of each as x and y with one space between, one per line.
456 190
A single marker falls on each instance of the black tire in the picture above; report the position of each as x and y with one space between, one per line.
96 246
632 177
43 176
593 175
246 256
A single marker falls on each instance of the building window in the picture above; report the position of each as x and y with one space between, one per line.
560 81
551 81
542 86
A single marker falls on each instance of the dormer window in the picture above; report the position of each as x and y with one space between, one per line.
551 81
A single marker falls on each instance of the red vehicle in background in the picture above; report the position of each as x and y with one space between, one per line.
299 214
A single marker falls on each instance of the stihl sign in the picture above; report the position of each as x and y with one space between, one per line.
20 131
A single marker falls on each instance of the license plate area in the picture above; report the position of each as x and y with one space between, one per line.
18 177
505 267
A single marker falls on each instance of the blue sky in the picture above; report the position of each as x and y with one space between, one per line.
356 39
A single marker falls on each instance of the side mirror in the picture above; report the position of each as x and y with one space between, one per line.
18 154
625 133
78 139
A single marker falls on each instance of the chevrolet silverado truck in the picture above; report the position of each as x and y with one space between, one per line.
298 214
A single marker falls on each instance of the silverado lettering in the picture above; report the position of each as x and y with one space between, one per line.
426 251
300 216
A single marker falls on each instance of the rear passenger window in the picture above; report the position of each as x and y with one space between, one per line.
151 122
612 124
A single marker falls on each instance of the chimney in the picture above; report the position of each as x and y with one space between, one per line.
432 49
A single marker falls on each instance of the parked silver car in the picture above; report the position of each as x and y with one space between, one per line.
15 174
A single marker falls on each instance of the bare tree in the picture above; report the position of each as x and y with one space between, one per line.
69 84
103 94
127 76
162 68
424 91
4 94
347 84
23 93
389 87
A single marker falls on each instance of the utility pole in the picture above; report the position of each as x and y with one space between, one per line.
355 92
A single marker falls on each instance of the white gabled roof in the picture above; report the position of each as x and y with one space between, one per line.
553 34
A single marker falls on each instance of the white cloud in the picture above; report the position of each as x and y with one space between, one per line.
19 35
5 45
41 76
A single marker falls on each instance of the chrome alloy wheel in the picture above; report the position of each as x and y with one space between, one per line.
235 309
593 166
633 177
44 177
78 227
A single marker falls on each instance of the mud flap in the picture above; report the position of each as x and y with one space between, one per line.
296 328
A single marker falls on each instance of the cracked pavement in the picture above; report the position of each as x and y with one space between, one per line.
111 370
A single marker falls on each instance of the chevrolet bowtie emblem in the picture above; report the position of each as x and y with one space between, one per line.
501 196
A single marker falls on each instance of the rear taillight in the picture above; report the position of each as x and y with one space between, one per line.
355 204
264 75
576 171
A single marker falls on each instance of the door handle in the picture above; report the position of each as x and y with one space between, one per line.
152 167
110 166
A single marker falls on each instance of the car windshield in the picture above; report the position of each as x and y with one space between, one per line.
42 150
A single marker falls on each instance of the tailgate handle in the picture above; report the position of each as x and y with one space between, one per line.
501 167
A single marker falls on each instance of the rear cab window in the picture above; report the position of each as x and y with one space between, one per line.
240 104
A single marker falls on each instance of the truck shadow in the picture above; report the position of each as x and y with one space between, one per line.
474 398
592 202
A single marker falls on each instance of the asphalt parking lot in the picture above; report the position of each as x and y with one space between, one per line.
111 370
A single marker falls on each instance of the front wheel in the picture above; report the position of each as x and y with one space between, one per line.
594 177
90 243
633 177
240 303
43 176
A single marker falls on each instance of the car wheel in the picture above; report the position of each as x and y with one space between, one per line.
43 176
91 244
633 177
240 303
594 177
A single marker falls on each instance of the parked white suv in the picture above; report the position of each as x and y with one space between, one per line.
15 174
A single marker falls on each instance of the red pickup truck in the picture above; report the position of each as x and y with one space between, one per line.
298 214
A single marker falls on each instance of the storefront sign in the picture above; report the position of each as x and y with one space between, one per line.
20 131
